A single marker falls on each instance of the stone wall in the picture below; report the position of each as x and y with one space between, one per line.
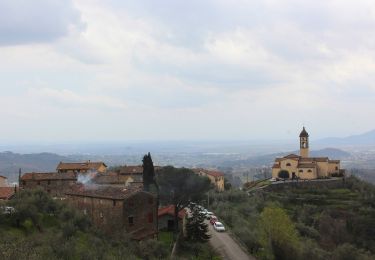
106 214
56 188
327 183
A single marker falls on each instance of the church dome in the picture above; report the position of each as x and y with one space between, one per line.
303 133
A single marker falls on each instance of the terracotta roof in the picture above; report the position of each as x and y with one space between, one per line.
303 133
334 161
80 166
138 169
276 165
135 169
306 165
6 193
110 177
213 173
1 176
103 191
292 155
169 210
320 159
49 176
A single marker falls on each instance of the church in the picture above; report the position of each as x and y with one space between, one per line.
302 166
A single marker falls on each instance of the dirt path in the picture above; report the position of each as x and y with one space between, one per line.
226 246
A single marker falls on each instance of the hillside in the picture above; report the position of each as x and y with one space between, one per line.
11 162
367 138
303 223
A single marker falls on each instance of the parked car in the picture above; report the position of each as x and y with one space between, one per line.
213 219
7 210
219 227
209 214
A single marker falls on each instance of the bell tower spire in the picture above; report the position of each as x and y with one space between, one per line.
304 143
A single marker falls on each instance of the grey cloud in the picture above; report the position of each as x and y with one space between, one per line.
25 21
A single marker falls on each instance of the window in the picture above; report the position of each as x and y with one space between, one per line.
24 183
131 220
288 164
337 168
49 182
38 182
114 203
309 170
300 170
150 217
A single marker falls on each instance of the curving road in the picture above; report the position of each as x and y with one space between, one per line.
226 246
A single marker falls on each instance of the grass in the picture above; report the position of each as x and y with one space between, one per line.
166 237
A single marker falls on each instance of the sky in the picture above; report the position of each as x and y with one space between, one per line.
96 70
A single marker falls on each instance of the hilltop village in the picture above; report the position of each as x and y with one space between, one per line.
311 198
111 199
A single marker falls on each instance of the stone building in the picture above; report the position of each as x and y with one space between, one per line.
302 166
81 167
3 181
113 208
113 178
134 171
166 218
216 177
54 183
6 193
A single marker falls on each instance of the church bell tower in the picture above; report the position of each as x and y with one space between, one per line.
304 143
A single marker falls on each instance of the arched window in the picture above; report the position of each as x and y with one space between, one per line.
309 170
300 170
288 164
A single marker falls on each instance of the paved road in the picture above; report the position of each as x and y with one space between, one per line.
226 246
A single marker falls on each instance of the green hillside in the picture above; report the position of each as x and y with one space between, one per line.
43 228
303 223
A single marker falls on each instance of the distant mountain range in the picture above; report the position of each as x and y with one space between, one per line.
10 163
367 138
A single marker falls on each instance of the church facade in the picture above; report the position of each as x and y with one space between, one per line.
302 166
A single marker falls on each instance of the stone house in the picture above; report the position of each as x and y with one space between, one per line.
216 177
113 178
53 183
117 208
166 218
81 167
3 181
6 193
305 167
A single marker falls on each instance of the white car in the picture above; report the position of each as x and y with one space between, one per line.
218 226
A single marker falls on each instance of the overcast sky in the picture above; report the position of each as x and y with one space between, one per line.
166 70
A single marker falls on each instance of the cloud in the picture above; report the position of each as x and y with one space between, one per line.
193 69
37 21
68 98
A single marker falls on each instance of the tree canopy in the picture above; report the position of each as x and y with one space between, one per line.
180 186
